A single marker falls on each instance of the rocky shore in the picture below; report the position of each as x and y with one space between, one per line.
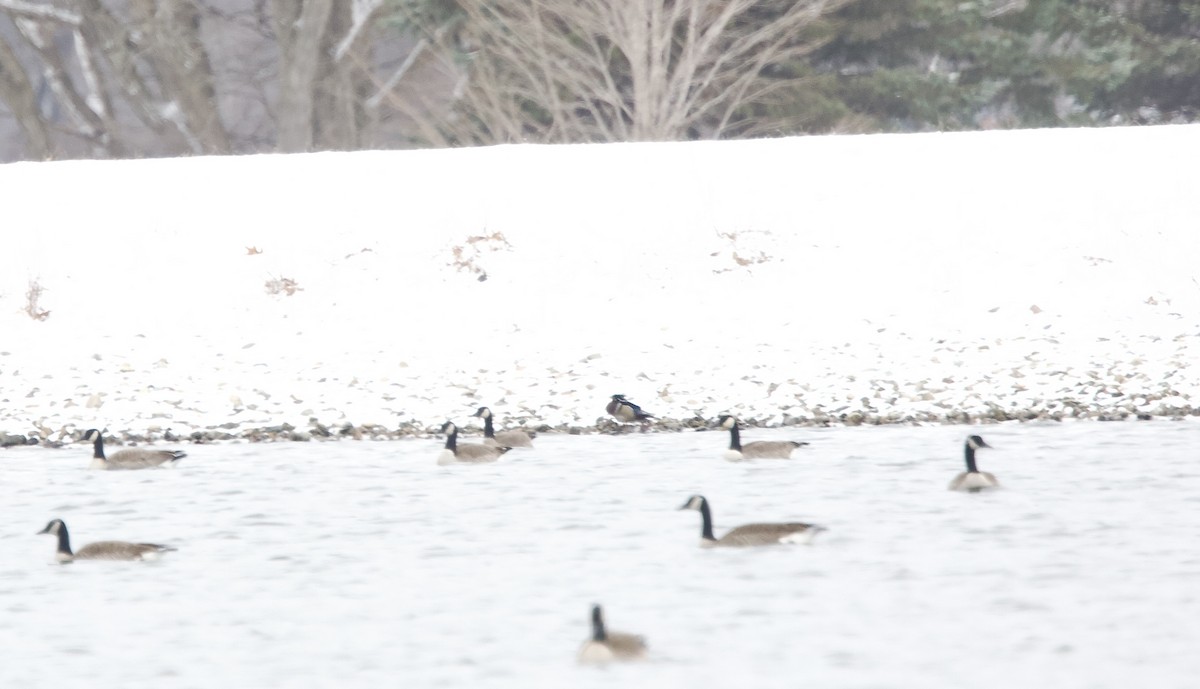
1068 410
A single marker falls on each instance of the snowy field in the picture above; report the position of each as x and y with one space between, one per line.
810 280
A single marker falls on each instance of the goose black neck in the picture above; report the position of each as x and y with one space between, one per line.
452 440
735 438
598 631
488 430
970 451
64 540
98 447
706 531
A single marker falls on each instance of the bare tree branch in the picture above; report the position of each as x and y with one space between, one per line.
339 114
299 27
362 13
37 10
174 50
110 36
597 70
94 97
17 91
199 76
87 122
387 86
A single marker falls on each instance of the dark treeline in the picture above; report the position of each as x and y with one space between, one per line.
905 65
129 78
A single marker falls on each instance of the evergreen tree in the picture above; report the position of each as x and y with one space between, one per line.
903 65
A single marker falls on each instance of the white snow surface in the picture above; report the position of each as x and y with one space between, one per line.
882 277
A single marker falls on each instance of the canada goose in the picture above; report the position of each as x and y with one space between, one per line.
759 449
102 550
467 452
750 534
627 412
513 438
132 458
605 645
973 480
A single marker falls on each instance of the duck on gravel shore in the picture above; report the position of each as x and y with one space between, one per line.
627 412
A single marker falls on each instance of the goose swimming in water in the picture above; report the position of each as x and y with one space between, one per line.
101 550
605 646
131 458
455 452
512 438
759 449
973 480
749 534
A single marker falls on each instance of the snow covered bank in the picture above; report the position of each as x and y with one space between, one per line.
951 276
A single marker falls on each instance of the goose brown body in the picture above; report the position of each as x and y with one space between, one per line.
510 438
973 480
749 534
100 550
131 458
758 449
605 645
468 453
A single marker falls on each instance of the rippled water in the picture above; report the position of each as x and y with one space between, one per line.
367 565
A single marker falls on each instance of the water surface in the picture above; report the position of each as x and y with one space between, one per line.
360 564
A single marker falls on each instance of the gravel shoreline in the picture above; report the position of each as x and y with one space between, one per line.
318 432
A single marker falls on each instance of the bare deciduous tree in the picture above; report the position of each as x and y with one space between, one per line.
596 70
180 59
152 60
17 91
111 78
299 27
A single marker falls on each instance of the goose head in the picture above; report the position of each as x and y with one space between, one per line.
695 502
53 527
483 413
726 422
975 442
449 428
